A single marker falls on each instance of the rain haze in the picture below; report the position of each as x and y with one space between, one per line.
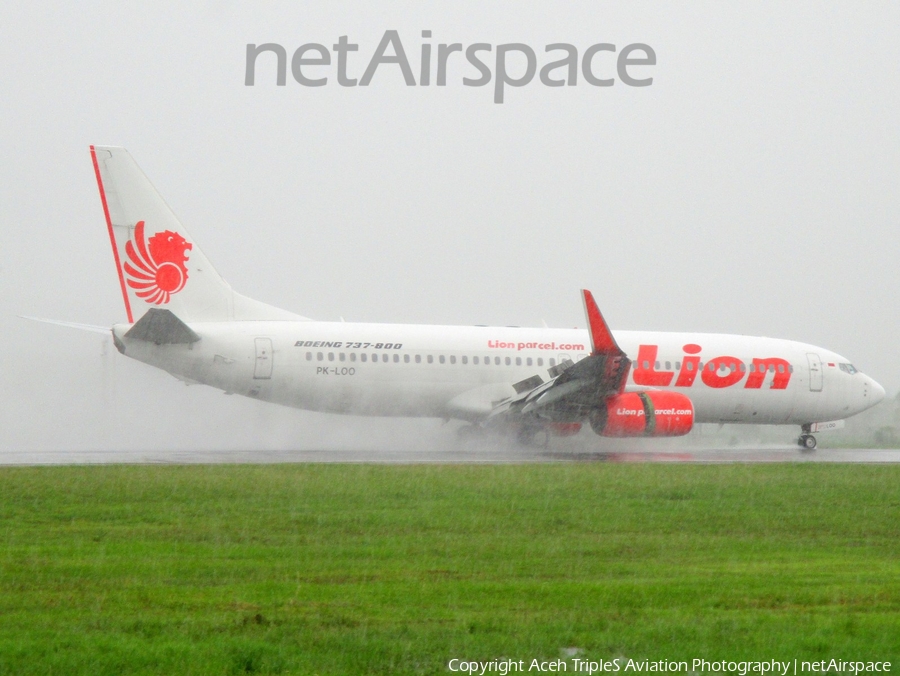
751 189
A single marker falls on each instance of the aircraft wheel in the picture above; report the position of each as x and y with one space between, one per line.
807 442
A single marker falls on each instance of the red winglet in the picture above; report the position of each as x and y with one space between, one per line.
602 341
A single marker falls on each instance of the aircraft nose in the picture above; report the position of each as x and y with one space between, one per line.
876 391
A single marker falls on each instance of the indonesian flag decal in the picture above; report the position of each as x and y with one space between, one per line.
156 267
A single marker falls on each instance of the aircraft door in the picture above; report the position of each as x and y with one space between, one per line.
815 372
263 368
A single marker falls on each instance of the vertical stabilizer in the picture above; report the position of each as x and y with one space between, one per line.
158 263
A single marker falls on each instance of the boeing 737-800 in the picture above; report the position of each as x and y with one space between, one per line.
184 318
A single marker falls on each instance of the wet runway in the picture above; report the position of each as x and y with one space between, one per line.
482 454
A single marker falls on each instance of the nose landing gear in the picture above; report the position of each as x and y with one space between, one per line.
806 441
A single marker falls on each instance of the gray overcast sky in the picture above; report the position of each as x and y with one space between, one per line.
751 189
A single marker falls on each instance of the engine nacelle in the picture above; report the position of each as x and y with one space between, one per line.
644 414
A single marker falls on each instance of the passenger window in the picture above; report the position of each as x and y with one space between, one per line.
528 361
396 358
452 359
331 356
646 365
430 359
363 357
552 361
508 361
441 359
342 357
656 365
690 366
406 359
374 357
540 361
309 356
790 368
518 361
732 368
752 368
677 365
418 359
475 361
320 356
668 365
465 360
743 367
353 356
781 368
497 361
712 366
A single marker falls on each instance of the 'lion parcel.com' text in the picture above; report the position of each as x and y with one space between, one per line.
695 666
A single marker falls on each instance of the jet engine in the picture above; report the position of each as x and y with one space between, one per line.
654 413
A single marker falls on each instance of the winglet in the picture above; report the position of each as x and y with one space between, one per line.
602 341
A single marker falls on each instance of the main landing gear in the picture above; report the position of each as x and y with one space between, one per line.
806 441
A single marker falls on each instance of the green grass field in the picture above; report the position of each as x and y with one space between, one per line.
344 569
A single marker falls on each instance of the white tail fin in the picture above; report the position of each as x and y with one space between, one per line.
158 262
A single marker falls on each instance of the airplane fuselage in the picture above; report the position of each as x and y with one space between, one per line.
462 372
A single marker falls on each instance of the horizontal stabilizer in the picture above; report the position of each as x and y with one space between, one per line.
162 328
72 325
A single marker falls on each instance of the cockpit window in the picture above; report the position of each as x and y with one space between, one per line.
848 368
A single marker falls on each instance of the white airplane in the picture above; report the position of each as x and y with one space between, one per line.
184 318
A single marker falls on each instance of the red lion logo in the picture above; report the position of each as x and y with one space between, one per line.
156 271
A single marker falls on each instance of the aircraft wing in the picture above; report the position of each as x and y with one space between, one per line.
576 388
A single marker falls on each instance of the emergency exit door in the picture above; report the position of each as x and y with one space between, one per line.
815 372
263 368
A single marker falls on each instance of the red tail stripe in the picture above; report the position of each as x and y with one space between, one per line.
112 237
